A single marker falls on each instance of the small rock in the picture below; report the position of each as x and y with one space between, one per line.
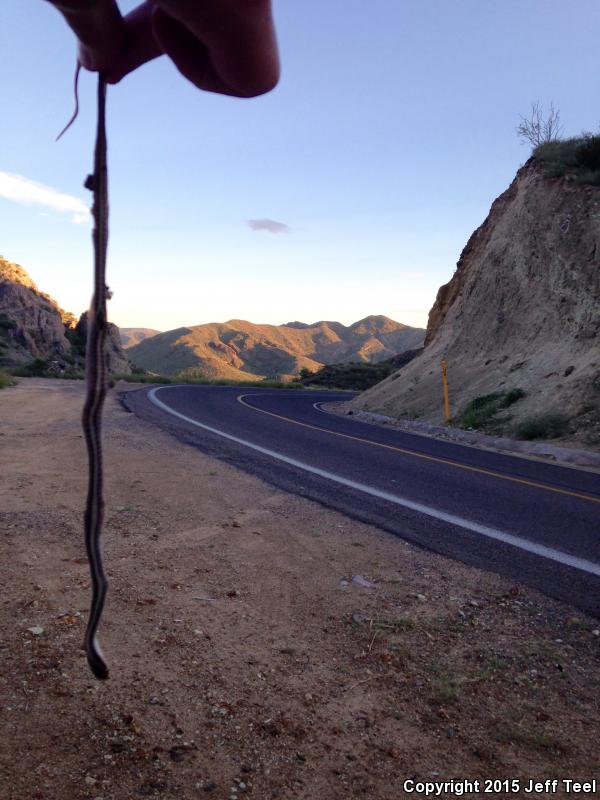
117 745
360 580
37 630
421 598
596 632
235 524
359 619
344 584
177 752
90 780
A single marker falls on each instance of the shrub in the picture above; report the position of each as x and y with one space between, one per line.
539 128
512 396
588 152
35 369
6 323
354 376
5 380
77 340
481 411
578 156
544 426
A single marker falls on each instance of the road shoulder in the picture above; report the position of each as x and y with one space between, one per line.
257 640
537 451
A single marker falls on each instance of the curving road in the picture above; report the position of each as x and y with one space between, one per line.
534 522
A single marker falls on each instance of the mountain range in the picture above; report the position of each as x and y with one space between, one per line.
241 350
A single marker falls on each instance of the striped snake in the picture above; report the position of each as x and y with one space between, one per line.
95 376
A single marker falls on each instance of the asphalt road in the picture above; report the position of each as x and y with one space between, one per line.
531 521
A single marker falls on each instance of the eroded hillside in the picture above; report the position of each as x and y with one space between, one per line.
521 311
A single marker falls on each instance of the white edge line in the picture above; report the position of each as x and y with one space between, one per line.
491 533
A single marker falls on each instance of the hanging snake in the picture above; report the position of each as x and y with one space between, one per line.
95 376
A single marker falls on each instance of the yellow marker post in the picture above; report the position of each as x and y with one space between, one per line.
445 384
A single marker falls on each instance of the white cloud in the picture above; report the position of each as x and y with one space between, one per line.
23 190
268 225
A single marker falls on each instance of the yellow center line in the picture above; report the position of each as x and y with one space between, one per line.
448 462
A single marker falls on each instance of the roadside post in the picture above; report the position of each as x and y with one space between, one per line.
445 384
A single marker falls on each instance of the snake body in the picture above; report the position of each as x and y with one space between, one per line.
95 375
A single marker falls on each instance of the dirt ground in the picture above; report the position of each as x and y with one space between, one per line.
244 658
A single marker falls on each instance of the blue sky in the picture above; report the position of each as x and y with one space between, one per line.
390 134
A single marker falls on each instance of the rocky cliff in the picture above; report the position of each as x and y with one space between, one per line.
521 311
33 327
241 350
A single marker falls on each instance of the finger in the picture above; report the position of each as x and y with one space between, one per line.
141 45
239 48
189 55
99 28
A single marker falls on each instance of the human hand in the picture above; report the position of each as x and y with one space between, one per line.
223 46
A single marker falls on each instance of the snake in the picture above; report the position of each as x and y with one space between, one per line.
96 387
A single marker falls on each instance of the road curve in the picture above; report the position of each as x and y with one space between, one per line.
531 521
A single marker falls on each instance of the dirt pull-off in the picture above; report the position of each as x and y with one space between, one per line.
258 643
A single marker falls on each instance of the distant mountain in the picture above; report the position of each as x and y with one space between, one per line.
132 336
34 328
241 350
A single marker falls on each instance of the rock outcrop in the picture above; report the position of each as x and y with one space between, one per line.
117 362
33 327
241 350
521 311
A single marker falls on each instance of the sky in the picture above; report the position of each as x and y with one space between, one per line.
349 190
